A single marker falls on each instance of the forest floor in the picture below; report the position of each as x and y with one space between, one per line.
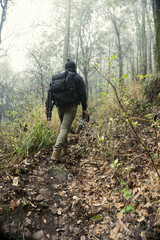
94 195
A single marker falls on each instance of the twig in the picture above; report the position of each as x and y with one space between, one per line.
18 228
156 133
23 236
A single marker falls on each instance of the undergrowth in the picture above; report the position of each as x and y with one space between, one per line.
21 137
110 133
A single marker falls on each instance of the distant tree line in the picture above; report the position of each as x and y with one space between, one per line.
121 36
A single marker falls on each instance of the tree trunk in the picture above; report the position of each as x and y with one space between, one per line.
67 32
109 54
3 16
42 86
144 39
138 44
150 67
41 76
85 72
150 41
156 15
120 57
79 34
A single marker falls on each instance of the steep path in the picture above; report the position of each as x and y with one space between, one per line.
82 199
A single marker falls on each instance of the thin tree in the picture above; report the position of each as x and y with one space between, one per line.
156 15
40 73
117 28
67 31
4 6
144 39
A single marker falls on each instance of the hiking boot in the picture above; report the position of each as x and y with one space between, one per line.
56 156
63 152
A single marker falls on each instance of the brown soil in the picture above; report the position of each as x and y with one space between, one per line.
83 198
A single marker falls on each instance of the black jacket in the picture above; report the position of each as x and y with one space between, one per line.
80 90
80 96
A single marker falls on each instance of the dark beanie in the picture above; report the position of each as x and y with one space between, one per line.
70 65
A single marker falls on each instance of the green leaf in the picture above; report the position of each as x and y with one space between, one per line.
135 123
102 138
155 155
103 93
127 194
146 75
123 210
124 190
127 168
116 161
96 218
112 165
125 75
140 76
129 208
113 57
150 116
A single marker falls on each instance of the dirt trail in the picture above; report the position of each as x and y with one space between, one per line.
79 200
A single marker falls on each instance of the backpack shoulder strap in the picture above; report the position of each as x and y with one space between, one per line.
69 75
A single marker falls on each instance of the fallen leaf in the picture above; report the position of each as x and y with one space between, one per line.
45 221
119 216
143 236
59 211
96 219
83 238
13 203
15 181
115 231
119 205
141 219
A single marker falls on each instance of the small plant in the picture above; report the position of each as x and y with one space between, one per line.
115 164
127 209
26 170
123 182
25 203
127 195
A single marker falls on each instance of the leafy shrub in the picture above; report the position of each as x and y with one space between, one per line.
28 134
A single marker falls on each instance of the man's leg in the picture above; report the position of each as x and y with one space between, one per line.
68 114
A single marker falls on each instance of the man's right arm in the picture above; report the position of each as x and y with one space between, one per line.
49 105
82 96
82 93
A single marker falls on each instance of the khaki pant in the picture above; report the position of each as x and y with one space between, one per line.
66 115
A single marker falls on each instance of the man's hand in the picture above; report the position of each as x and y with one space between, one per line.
85 113
46 110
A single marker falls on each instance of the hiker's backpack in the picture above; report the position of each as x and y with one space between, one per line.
63 88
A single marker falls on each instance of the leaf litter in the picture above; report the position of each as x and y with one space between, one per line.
99 198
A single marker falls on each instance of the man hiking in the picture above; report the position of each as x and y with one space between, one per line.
67 90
